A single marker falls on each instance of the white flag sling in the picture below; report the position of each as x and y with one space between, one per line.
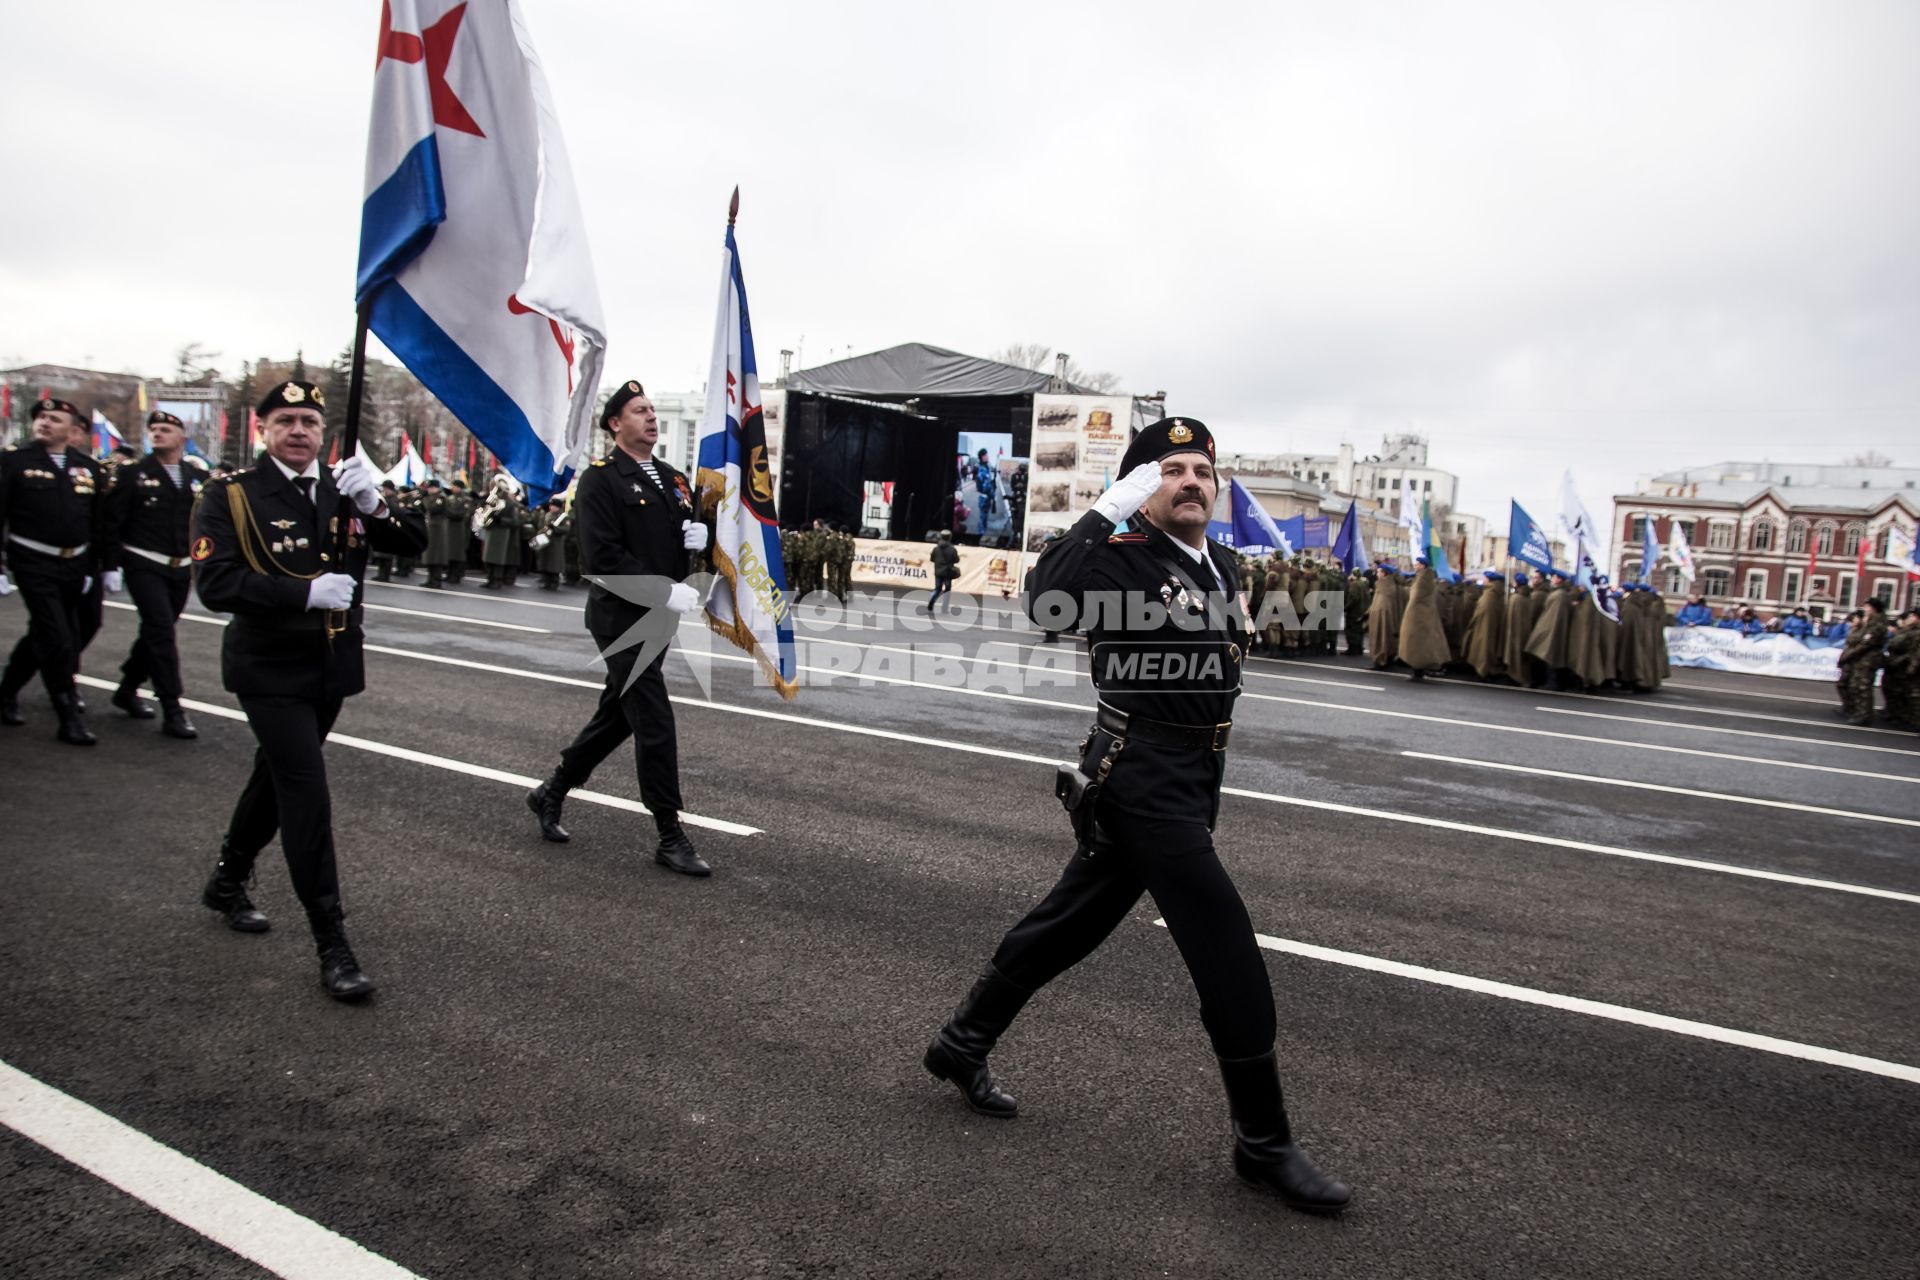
749 605
473 257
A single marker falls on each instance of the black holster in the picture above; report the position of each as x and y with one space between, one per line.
1078 787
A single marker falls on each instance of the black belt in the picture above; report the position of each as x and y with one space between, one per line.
310 620
1199 737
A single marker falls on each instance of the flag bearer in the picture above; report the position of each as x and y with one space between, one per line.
1145 798
635 516
267 549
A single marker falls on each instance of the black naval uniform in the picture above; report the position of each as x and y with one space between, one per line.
147 535
290 676
52 511
1157 752
629 526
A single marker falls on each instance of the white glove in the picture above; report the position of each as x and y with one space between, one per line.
539 540
693 535
6 585
1130 493
355 482
114 580
683 598
330 591
86 585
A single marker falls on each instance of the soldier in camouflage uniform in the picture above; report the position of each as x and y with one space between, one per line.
1860 663
1900 686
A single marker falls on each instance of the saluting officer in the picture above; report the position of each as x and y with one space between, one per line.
143 548
268 549
635 516
51 510
1145 797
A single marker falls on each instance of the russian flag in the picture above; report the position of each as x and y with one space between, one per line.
105 436
473 253
749 606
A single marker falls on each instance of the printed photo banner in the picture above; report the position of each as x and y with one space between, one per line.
984 571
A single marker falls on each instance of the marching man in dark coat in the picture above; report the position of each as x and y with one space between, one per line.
283 547
1146 795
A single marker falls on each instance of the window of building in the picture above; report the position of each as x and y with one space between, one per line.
1636 529
1756 584
1852 545
1797 538
1720 535
1760 537
1676 582
1883 589
1427 487
1846 591
1823 540
1883 541
1714 582
1790 588
1379 482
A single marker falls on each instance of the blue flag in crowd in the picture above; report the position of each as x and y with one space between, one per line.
1349 547
1527 541
1649 551
1254 531
1313 532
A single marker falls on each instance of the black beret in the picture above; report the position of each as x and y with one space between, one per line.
618 400
48 404
161 415
1164 439
292 395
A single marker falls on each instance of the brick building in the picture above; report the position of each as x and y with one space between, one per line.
1777 535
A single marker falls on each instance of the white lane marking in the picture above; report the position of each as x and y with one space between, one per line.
1694 708
243 1221
1592 1008
1749 693
1715 728
1657 786
1329 806
461 766
1579 737
448 593
454 617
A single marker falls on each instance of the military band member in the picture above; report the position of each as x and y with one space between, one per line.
144 545
267 549
550 526
440 532
1146 796
460 505
51 510
636 521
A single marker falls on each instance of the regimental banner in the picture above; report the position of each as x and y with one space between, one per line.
1724 649
984 571
1078 442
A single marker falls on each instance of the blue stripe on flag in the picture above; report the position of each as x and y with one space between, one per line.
400 215
480 403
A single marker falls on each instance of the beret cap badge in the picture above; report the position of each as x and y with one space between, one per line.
292 393
1178 433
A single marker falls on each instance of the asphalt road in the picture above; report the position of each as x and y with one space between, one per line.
579 1064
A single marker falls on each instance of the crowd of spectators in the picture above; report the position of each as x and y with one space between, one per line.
1799 623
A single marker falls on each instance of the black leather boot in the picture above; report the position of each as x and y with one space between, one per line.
676 852
174 723
545 801
227 892
73 726
959 1052
10 710
435 576
1264 1152
339 971
127 698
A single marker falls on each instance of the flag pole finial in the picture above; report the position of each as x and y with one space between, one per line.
733 206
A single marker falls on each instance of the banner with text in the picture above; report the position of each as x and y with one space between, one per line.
1723 649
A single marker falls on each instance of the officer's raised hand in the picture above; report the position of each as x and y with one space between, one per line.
693 535
355 483
1130 493
331 591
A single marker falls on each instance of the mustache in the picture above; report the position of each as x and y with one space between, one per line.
1193 493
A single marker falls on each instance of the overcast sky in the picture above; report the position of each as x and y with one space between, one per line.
1624 237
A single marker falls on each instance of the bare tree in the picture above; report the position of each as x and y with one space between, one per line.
194 362
1871 458
1039 356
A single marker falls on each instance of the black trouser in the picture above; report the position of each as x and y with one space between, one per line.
643 713
59 623
1175 862
287 792
160 595
941 585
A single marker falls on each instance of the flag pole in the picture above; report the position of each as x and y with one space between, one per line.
349 448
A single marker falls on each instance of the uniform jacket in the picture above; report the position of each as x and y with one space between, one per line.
59 504
1696 615
275 645
146 509
630 528
1180 674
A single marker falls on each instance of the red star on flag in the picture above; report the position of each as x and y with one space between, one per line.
435 46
